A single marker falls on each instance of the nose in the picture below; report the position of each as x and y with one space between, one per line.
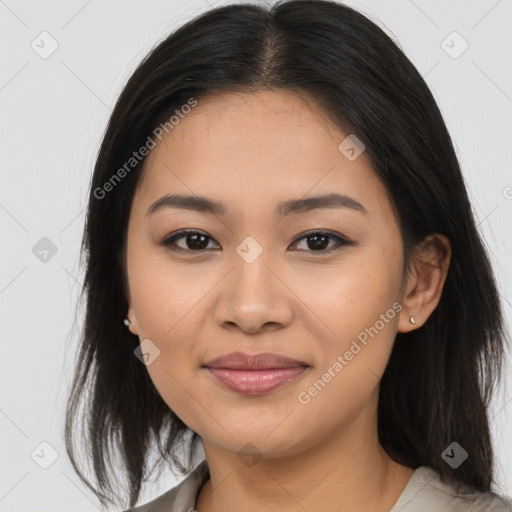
254 297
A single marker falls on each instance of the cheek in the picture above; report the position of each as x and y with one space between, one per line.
358 304
164 294
165 303
350 296
173 307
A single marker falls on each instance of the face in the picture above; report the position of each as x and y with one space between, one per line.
254 278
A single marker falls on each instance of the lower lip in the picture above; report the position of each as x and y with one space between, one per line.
255 382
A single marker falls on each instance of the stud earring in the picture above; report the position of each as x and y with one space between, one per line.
412 320
127 322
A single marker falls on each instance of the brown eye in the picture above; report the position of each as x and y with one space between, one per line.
318 241
194 241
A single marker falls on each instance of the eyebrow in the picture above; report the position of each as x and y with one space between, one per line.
290 207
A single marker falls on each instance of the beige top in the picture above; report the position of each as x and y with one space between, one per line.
423 493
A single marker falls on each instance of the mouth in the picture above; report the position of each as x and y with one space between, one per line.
255 374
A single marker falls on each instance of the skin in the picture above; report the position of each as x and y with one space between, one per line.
252 151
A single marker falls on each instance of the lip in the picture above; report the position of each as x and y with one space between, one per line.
263 361
256 382
255 374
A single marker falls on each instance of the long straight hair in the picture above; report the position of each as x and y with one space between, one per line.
440 377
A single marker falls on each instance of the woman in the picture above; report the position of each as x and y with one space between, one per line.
283 267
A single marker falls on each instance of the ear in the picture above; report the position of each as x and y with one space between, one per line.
425 280
131 316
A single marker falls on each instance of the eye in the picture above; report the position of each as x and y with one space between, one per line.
196 241
318 241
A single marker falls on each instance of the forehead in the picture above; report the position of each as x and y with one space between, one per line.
263 146
269 124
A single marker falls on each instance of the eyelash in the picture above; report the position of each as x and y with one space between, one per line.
169 242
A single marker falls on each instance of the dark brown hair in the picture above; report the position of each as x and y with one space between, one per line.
439 379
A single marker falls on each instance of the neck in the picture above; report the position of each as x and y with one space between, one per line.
345 472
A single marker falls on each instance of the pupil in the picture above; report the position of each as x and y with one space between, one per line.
316 245
195 244
315 242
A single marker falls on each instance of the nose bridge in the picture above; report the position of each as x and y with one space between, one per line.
254 295
251 264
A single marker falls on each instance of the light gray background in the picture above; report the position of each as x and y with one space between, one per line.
54 111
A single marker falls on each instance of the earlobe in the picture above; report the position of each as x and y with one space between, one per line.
130 320
131 325
425 282
407 323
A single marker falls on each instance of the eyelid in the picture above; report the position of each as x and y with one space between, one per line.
341 240
168 240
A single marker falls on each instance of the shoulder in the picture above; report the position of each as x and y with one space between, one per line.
180 498
425 492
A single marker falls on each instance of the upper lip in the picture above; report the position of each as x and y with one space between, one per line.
242 361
